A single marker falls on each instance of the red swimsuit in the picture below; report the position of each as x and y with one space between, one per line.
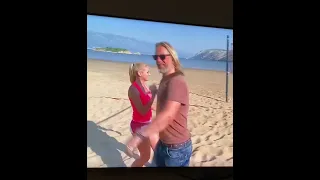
139 120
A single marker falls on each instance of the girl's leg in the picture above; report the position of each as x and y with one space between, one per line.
153 139
144 149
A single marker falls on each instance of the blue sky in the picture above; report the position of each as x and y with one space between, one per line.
185 37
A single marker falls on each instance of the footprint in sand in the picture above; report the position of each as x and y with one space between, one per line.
94 161
229 163
194 125
206 153
224 142
215 137
227 153
195 140
207 137
201 130
230 130
196 164
223 130
206 149
209 163
200 157
218 115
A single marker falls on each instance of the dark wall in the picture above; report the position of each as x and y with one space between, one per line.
216 13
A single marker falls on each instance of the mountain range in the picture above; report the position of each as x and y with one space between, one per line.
98 39
214 55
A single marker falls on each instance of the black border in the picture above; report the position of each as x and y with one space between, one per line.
218 13
46 130
152 20
152 173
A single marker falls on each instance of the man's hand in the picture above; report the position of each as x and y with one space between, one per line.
153 88
162 120
132 144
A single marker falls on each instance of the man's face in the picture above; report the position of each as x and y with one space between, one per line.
163 59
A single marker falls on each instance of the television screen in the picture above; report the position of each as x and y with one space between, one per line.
136 70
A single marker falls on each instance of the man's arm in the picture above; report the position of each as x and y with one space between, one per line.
177 96
163 119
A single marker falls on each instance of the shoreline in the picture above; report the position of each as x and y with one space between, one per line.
154 66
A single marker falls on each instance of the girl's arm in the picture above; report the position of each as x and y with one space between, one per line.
134 95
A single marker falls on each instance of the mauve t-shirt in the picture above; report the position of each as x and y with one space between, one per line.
174 88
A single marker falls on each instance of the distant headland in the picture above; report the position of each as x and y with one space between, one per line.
113 50
214 55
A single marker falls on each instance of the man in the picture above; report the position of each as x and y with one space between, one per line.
174 148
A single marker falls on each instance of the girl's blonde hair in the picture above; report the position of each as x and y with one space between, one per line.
134 69
173 53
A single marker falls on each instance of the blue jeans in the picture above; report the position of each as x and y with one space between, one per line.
165 156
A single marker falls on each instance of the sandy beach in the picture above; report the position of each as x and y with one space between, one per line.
109 113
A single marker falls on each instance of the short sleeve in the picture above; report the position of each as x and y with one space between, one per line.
178 90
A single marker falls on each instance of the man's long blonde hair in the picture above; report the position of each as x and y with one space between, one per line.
134 69
173 53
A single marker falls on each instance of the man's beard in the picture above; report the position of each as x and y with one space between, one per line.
163 70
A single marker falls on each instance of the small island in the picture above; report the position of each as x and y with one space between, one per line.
109 49
114 50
